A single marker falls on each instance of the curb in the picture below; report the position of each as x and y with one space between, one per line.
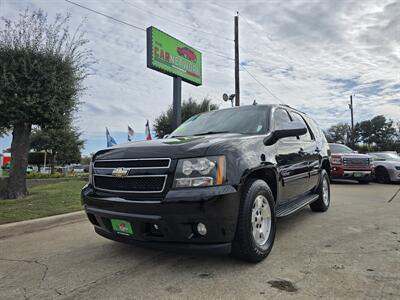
29 226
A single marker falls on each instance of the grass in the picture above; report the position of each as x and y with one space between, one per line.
45 200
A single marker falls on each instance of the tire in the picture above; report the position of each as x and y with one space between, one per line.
324 192
382 175
253 219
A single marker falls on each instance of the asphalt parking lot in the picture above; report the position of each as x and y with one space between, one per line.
352 251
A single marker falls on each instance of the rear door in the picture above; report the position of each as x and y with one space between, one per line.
291 163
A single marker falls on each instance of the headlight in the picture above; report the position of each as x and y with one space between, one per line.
202 171
91 173
336 160
397 168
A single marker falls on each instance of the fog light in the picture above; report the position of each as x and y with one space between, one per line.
201 229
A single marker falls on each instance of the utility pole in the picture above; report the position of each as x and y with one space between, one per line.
237 86
352 120
176 104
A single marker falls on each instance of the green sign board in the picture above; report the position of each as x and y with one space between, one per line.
173 57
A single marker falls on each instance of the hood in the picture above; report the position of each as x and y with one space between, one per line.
355 155
193 146
387 161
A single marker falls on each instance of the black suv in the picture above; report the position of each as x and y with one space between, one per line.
217 183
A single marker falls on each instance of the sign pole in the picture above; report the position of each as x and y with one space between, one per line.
177 99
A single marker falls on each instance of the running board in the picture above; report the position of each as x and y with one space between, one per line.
293 206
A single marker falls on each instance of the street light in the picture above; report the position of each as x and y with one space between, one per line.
225 97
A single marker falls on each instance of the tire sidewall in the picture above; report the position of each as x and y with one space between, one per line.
259 187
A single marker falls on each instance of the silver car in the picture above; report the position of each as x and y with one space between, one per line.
387 166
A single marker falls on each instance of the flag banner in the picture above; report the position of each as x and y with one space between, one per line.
130 133
147 131
110 140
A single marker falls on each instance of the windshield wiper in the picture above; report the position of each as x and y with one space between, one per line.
210 132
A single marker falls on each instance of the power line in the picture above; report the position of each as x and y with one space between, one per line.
175 22
104 15
260 83
136 27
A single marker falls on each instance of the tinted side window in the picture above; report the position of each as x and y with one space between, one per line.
281 119
314 128
307 136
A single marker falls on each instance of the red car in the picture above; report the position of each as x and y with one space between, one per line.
348 164
187 53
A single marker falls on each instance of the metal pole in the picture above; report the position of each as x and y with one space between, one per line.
352 120
237 86
177 99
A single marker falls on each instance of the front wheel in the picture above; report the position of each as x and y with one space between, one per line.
382 175
256 227
324 192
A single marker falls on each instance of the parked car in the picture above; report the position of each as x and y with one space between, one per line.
387 166
348 164
217 184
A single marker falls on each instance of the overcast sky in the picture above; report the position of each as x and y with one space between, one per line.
311 54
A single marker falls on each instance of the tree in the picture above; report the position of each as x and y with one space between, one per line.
163 124
62 144
340 133
42 67
377 131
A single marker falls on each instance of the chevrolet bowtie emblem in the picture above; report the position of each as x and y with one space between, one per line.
120 172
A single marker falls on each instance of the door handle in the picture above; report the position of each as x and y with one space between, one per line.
301 151
317 150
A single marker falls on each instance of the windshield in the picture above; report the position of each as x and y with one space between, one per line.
337 148
252 120
388 156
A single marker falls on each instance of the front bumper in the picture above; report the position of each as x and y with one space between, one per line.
394 174
170 223
340 172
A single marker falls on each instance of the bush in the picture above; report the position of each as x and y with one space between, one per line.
43 176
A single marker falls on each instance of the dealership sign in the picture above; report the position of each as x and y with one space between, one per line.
173 57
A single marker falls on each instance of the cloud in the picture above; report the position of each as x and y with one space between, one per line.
311 54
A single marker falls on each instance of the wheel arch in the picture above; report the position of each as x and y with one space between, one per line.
268 174
326 165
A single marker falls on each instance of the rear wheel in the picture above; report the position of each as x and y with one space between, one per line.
382 175
256 227
324 192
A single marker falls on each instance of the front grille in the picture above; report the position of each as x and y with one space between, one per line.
355 161
153 163
131 184
147 175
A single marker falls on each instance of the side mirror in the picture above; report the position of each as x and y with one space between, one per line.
292 129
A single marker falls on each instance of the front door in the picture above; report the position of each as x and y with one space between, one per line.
291 160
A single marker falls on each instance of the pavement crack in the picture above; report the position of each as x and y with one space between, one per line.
42 265
394 196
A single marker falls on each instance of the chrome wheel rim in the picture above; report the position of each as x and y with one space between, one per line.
325 191
261 220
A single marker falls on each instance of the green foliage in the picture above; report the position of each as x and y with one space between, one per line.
43 176
163 124
63 144
340 133
85 160
377 134
42 67
377 131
